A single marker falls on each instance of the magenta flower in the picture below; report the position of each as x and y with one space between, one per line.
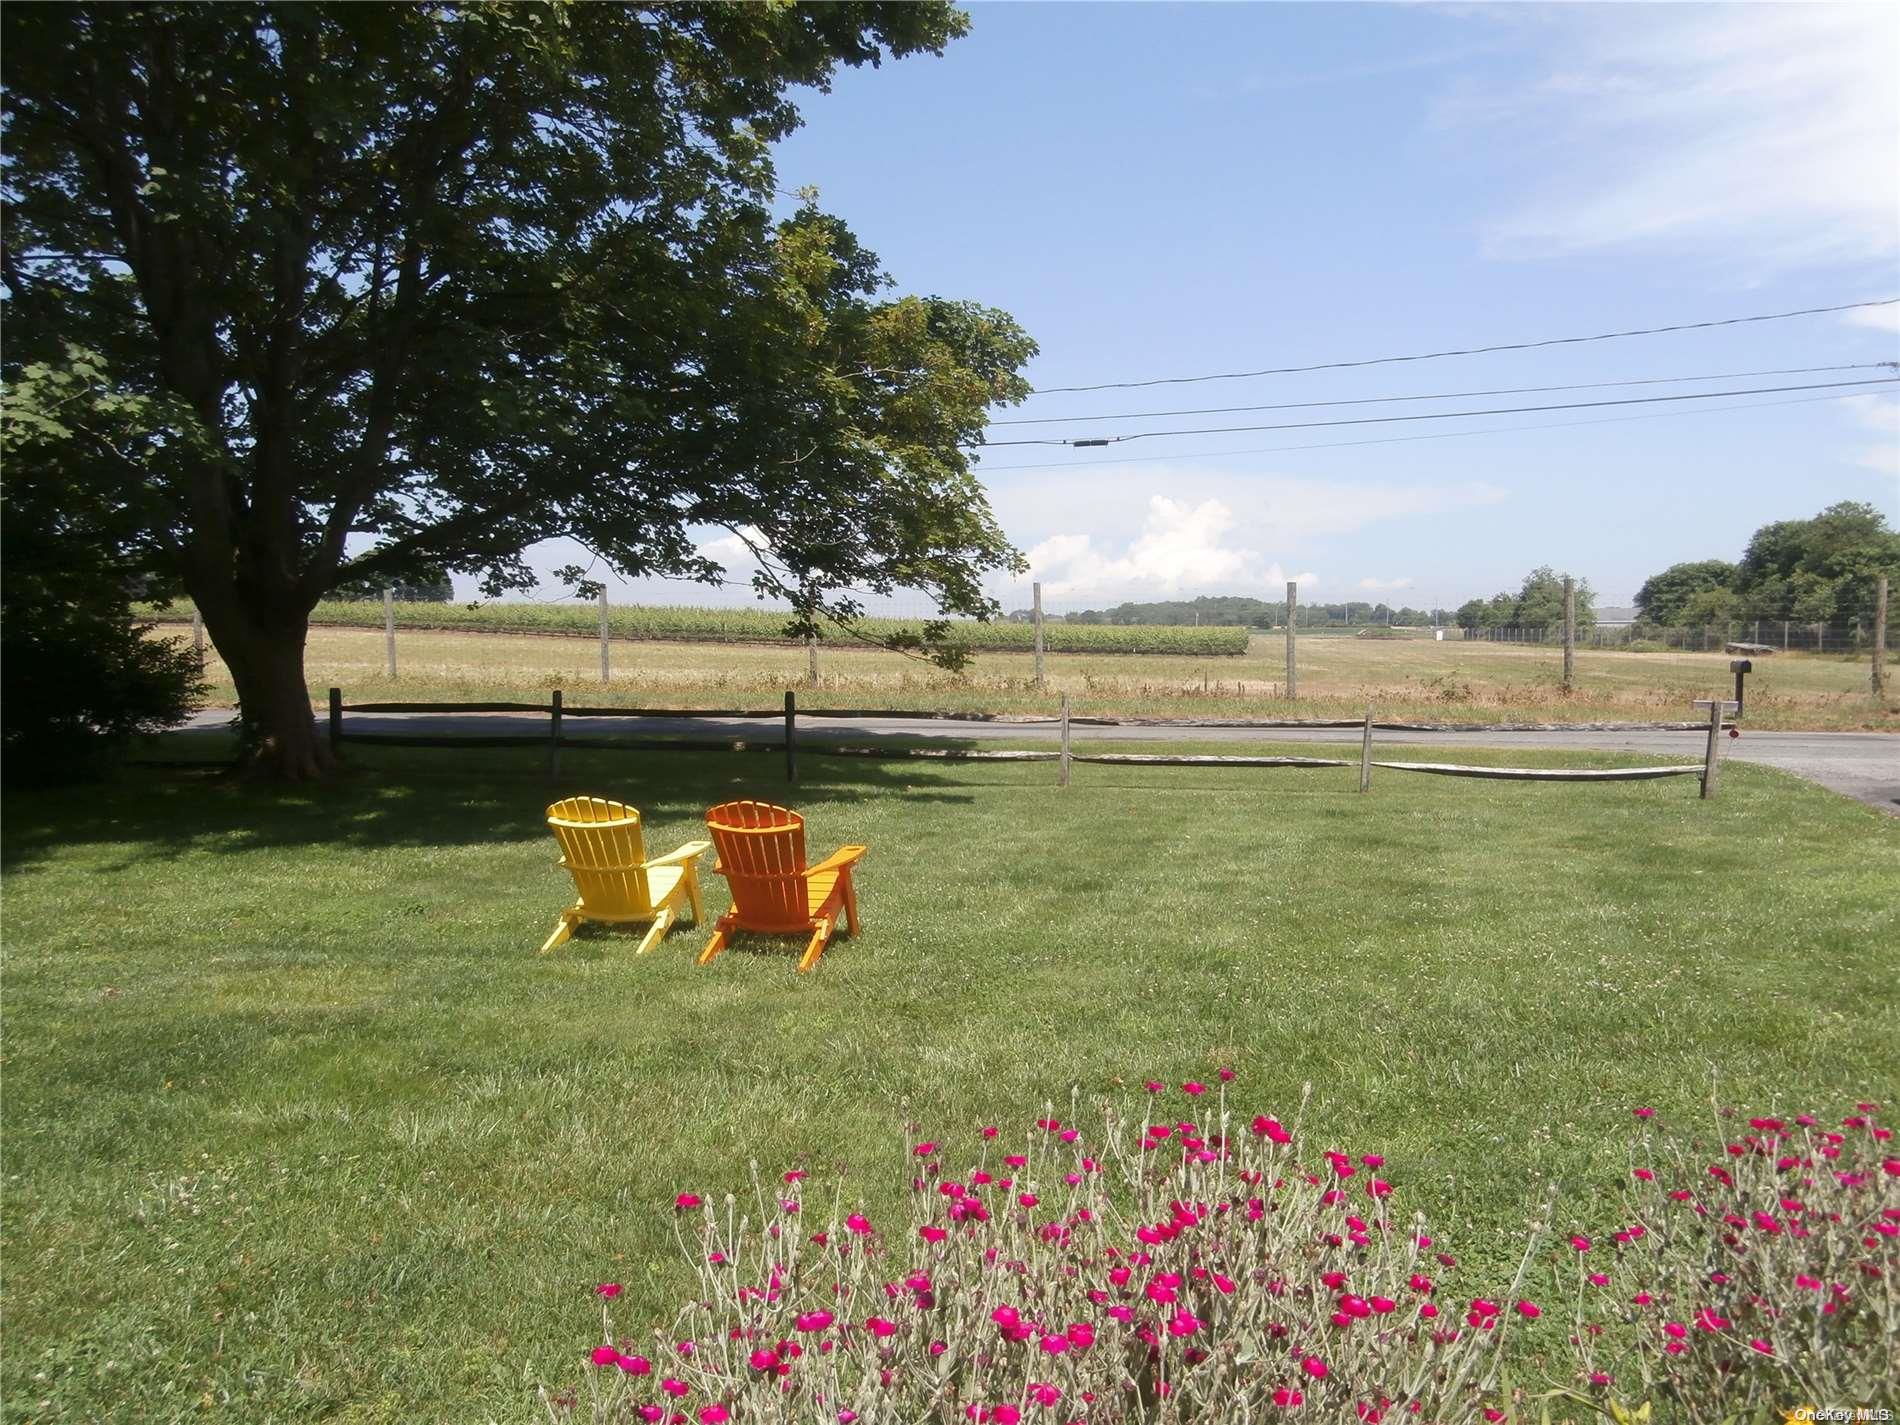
1645 1112
932 1234
857 1222
1314 1367
1227 1076
675 1388
714 1414
794 1175
814 1320
1027 1199
604 1355
1286 1397
990 1132
1193 1089
1154 1086
634 1365
879 1327
1184 1323
763 1360
1055 1345
1081 1335
924 1150
1757 1344
1529 1310
686 1200
1580 1242
608 1289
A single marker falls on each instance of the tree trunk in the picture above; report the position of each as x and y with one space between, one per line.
279 739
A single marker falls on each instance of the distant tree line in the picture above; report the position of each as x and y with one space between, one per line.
1805 571
1229 609
423 589
1538 603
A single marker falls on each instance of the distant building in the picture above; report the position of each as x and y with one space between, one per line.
1615 618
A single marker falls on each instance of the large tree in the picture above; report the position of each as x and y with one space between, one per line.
1818 569
406 289
1665 597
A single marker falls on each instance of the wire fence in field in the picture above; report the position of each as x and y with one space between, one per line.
1774 635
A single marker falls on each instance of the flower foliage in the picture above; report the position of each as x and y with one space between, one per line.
1201 1264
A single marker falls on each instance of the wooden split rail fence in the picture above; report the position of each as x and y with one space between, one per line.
555 739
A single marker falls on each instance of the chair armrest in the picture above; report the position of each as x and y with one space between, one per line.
838 860
691 851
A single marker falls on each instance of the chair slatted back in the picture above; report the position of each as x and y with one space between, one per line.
605 853
762 854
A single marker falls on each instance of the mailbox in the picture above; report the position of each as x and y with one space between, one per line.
1741 668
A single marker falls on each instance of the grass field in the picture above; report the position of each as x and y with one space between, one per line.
1415 679
299 1127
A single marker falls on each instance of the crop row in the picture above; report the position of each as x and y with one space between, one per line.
696 625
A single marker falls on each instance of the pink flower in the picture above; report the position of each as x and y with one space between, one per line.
1227 1076
1286 1397
1154 1086
1055 1345
1044 1394
857 1222
1645 1113
675 1388
604 1355
1185 1323
795 1175
1581 1243
763 1360
814 1320
634 1365
924 1150
1193 1089
714 1414
608 1289
1027 1199
653 1414
1081 1335
932 1234
990 1132
1529 1310
1314 1367
879 1327
686 1200
1757 1344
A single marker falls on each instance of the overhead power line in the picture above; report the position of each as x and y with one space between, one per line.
1446 395
1404 439
1450 415
1469 350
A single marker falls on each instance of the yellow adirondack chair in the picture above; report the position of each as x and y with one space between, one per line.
602 849
762 856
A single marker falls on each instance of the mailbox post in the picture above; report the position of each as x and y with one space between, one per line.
1741 668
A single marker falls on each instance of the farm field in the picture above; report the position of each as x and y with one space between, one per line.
1414 679
299 1126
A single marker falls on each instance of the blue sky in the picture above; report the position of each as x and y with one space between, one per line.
1166 190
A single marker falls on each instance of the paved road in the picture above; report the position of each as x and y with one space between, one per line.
1862 765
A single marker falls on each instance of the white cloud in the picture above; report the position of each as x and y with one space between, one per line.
1376 584
1881 414
1181 547
1885 319
1769 134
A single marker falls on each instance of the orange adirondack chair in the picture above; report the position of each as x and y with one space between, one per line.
762 856
602 849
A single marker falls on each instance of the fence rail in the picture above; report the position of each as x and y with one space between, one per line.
1783 635
554 741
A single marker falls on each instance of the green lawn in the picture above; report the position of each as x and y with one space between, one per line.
298 1126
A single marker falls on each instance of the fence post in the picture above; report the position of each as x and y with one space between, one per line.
1292 665
811 659
198 635
1065 740
1820 638
1880 636
389 632
1570 633
1709 762
1784 635
603 636
1036 608
791 736
336 720
554 734
1365 754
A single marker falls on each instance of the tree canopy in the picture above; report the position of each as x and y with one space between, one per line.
1806 571
1538 603
404 290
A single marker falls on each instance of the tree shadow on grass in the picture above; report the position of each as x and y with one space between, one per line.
425 797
